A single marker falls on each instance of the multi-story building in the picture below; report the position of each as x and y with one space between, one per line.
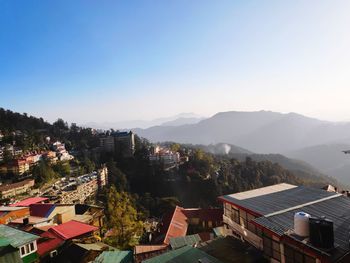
14 189
61 151
122 143
288 224
102 177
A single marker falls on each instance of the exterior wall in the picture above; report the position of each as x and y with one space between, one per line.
243 232
79 195
16 189
31 256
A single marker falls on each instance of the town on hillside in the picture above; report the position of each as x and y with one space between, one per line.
73 194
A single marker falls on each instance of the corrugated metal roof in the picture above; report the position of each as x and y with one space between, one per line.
182 255
336 209
269 201
190 240
29 201
114 257
16 237
72 229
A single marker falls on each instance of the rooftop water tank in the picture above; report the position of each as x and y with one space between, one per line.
321 233
301 224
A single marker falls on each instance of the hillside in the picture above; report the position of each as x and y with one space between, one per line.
328 158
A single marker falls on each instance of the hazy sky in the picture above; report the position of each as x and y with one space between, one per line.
118 60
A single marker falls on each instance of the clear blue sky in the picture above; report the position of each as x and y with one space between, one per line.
119 60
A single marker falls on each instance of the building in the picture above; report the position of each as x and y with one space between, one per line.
122 143
31 200
61 151
10 190
102 177
264 217
184 254
177 223
25 243
7 213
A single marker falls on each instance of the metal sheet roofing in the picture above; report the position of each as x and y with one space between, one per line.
48 242
190 240
29 201
181 255
72 229
336 209
114 257
266 200
16 237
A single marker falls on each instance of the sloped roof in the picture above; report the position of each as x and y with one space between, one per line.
30 201
190 240
140 249
335 209
49 241
72 229
114 257
16 237
270 199
181 255
41 210
177 226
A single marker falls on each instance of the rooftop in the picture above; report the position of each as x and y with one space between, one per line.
41 210
48 242
184 254
271 199
335 209
16 237
30 201
73 229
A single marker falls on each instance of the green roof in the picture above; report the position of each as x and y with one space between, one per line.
15 237
181 255
114 257
178 242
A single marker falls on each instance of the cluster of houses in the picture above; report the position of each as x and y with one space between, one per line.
22 163
279 223
167 157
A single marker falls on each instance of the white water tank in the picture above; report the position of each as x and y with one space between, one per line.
301 224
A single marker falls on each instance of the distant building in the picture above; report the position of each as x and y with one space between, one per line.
102 177
10 190
291 223
61 151
122 143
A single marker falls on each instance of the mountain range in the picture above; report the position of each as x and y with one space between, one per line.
176 120
317 142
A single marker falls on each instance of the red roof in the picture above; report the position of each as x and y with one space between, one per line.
30 201
72 229
41 210
178 225
48 242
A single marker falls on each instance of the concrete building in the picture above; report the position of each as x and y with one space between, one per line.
10 190
122 143
266 218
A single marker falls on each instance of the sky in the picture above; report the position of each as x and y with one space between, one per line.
98 61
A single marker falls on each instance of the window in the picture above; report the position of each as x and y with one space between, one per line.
31 246
271 247
23 251
292 255
235 215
